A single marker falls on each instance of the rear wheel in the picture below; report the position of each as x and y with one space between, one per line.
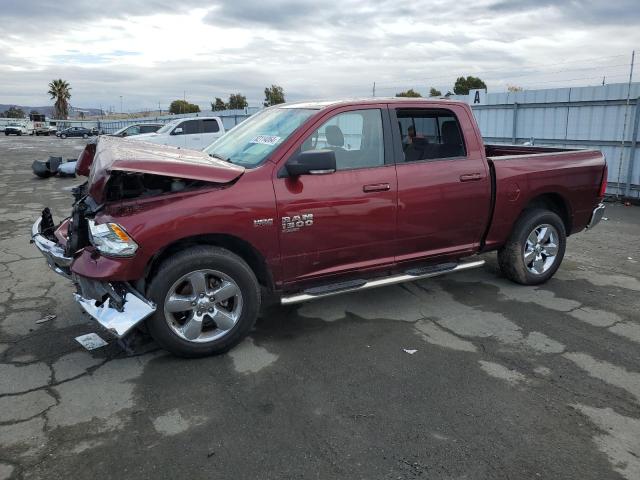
63 135
535 249
207 301
84 135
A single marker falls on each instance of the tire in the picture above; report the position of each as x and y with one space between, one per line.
186 334
527 262
19 134
63 136
84 135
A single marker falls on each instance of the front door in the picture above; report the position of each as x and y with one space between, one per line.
342 221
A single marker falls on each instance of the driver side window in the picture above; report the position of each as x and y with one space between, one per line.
355 137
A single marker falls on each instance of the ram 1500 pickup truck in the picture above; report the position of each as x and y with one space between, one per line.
304 201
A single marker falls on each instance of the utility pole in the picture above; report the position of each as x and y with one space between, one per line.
374 89
159 109
121 109
624 125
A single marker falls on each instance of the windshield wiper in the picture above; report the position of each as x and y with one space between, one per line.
220 157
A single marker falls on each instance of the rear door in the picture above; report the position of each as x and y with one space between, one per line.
210 131
343 221
444 188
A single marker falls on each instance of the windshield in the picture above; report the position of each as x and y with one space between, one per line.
251 142
169 126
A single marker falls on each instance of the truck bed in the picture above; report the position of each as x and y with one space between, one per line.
569 178
494 151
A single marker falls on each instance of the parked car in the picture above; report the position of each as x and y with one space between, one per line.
76 132
306 201
193 133
137 129
16 129
45 130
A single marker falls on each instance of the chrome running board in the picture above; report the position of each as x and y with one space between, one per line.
329 291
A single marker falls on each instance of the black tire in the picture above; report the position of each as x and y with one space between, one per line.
63 135
192 260
84 135
511 257
19 134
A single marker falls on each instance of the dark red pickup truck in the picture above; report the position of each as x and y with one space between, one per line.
307 200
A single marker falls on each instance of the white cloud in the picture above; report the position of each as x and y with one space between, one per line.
150 51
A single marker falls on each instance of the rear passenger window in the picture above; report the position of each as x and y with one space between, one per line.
191 126
430 134
210 126
355 137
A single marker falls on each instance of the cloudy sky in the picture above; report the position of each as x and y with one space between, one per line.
151 51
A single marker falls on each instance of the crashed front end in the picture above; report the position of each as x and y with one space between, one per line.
93 247
117 306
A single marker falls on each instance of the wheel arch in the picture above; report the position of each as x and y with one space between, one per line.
554 202
240 247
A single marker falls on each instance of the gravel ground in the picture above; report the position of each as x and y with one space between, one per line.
506 382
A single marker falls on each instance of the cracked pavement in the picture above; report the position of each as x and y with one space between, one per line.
507 381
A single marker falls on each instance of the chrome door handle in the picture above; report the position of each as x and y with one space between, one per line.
376 187
470 177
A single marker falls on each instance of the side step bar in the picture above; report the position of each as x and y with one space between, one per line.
357 285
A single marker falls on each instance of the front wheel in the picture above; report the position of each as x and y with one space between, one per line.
535 249
207 300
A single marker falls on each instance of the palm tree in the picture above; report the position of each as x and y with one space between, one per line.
60 91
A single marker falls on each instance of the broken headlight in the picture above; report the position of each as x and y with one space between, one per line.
111 239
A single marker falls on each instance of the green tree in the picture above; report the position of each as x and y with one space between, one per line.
218 105
60 91
182 106
34 112
14 112
434 92
409 93
237 101
463 85
273 95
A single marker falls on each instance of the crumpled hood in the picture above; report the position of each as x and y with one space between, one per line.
118 154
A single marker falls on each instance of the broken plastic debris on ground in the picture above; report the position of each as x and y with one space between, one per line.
91 341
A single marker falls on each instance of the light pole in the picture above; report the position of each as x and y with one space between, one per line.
121 109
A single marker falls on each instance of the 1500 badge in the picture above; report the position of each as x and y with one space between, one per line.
296 222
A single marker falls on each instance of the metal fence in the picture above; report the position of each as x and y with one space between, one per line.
582 117
230 118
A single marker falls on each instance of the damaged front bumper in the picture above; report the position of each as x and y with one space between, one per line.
116 306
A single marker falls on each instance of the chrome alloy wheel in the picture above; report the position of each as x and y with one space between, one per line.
203 305
541 249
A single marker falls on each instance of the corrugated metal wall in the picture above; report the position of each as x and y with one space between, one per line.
581 117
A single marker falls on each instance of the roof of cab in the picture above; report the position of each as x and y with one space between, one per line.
322 104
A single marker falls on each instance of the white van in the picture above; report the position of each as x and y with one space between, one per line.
194 133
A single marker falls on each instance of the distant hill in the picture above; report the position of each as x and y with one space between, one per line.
48 110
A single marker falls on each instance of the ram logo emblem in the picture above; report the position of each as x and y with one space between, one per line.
296 222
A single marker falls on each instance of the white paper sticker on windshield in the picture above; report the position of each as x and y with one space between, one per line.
266 139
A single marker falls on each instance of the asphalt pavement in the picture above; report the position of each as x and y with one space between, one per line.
466 376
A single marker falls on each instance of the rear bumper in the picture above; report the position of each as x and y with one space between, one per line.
596 216
116 306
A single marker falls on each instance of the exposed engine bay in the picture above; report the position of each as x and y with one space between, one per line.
128 185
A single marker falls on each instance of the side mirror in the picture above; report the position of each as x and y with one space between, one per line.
312 162
177 131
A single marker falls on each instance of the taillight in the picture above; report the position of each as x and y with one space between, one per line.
603 182
83 166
